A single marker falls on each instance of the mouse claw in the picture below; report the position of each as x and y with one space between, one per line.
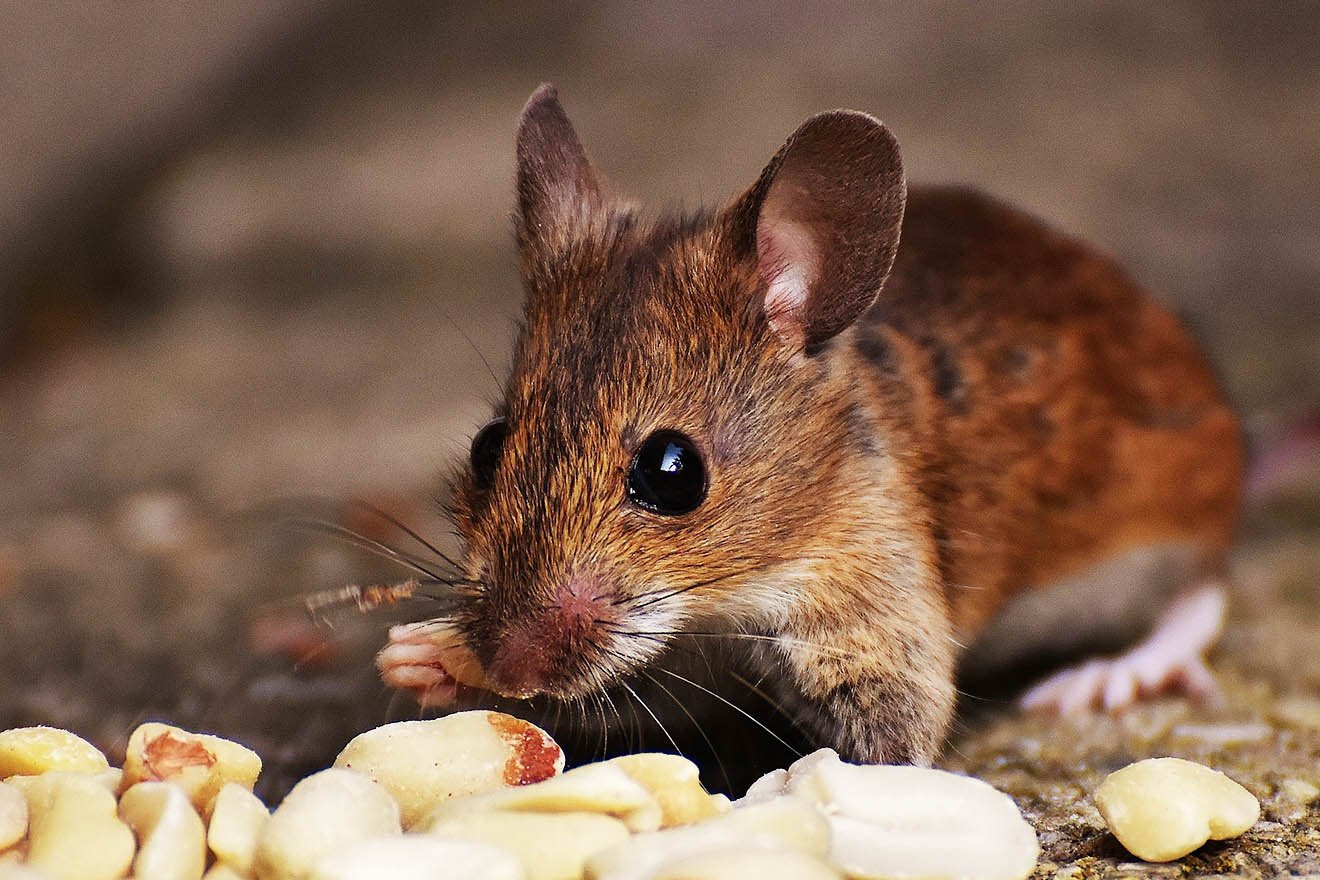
420 670
428 661
1169 660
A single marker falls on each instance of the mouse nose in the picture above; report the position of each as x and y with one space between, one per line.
519 666
542 653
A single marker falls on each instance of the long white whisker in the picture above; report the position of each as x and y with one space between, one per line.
615 709
740 710
782 641
755 688
654 717
701 730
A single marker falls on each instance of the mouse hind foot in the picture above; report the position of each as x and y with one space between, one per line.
1170 659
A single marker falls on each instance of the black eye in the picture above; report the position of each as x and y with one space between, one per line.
486 449
667 475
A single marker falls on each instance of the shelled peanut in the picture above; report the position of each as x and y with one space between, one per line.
1161 809
485 796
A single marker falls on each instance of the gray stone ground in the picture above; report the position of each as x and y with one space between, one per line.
331 274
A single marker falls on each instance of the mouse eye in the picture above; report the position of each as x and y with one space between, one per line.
486 449
667 475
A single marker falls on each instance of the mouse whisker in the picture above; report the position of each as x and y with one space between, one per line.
380 548
665 730
606 699
394 521
739 709
661 595
780 709
728 784
661 635
604 725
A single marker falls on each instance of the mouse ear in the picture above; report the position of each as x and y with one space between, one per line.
558 191
823 223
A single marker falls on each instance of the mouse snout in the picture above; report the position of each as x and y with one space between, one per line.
546 651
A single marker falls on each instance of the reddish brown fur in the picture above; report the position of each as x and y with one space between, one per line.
1011 410
1084 420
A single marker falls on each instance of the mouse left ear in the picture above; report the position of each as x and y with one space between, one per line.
558 189
822 223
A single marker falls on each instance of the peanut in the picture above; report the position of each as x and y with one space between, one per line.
890 821
13 815
419 857
1162 809
747 863
18 871
28 751
75 833
782 825
675 784
237 817
551 846
172 841
424 763
324 812
221 871
199 763
591 788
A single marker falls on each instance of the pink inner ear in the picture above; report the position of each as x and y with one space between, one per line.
788 262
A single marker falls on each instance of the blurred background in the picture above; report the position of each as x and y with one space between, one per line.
253 251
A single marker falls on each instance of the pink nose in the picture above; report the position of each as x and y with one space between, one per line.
519 666
543 652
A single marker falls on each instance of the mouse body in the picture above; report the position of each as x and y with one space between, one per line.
842 423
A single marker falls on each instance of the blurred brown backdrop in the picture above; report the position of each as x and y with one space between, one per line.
254 250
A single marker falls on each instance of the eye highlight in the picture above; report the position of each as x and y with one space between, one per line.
486 449
667 475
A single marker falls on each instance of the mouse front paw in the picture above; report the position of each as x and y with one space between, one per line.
427 662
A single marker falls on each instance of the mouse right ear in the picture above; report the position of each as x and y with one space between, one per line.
558 190
822 223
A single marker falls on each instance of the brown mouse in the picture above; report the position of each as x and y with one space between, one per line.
843 421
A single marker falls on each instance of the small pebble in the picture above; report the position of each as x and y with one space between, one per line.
1298 711
1161 809
155 522
1299 791
1223 734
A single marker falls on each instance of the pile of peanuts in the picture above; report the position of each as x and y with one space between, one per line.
485 796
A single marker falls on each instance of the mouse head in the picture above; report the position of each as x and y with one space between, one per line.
675 439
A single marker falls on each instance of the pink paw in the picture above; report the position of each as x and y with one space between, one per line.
1115 683
414 662
1169 660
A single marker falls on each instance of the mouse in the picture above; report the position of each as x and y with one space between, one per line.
872 436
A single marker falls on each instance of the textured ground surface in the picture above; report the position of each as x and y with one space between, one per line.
331 274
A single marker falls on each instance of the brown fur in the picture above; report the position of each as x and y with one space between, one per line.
1010 410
